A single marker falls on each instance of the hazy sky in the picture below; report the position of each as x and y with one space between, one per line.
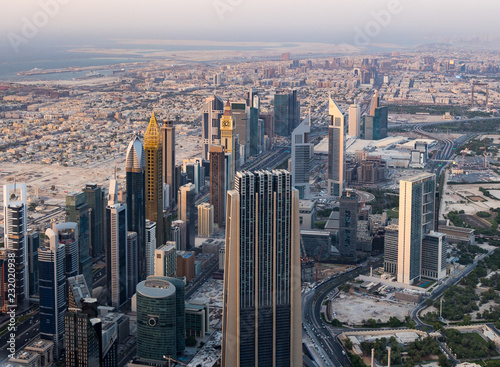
332 21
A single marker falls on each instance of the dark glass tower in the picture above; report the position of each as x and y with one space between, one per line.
77 211
286 113
136 203
348 224
218 183
94 196
262 311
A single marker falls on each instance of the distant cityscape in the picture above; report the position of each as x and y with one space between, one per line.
283 210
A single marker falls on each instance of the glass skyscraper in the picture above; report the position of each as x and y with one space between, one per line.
136 204
286 113
156 319
53 290
262 310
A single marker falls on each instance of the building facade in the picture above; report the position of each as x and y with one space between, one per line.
348 224
135 165
218 184
16 234
156 319
336 150
211 114
168 141
302 153
416 219
205 219
53 290
154 178
187 211
261 311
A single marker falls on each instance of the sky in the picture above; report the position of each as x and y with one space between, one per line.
32 23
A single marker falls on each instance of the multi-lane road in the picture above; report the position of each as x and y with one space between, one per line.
332 352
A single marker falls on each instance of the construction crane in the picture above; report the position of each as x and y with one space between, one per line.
170 360
464 152
484 154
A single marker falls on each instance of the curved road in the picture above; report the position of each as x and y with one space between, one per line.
315 327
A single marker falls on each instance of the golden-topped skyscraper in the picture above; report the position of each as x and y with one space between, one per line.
154 178
227 138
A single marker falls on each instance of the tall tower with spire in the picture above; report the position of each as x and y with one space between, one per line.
135 165
154 178
227 135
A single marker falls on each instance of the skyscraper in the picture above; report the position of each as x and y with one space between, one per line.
375 123
52 281
136 201
154 180
132 260
286 113
218 184
302 152
150 246
6 301
33 246
205 219
336 150
67 234
416 219
83 335
211 114
355 120
242 127
348 224
187 211
77 211
168 140
262 311
94 197
116 249
227 128
156 319
16 234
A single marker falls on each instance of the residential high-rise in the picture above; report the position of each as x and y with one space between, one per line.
262 310
51 258
33 246
355 120
348 224
302 153
336 150
67 234
416 219
16 233
227 134
132 260
154 178
211 114
179 234
116 249
205 219
94 197
150 246
286 113
187 211
156 319
185 265
168 140
218 183
136 201
77 211
166 260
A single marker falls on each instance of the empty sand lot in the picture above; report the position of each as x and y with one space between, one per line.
353 309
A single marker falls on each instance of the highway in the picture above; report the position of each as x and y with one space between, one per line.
25 332
315 327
